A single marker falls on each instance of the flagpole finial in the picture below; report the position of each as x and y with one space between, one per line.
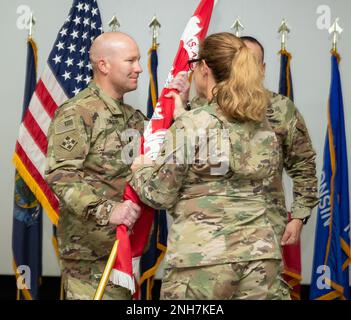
237 27
114 24
336 30
31 24
154 24
283 30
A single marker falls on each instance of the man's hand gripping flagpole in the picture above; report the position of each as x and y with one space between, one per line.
125 270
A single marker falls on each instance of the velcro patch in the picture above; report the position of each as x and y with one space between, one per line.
68 143
111 121
67 124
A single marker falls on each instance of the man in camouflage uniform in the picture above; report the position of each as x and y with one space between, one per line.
298 160
87 169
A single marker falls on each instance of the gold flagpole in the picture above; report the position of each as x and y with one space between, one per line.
335 30
284 31
31 25
154 24
237 28
114 24
106 274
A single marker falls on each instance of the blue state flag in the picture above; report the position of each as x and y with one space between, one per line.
285 81
27 212
157 245
330 273
291 253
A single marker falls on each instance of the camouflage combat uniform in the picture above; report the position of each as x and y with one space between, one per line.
86 171
221 244
298 160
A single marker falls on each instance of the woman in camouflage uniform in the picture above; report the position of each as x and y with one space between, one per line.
214 174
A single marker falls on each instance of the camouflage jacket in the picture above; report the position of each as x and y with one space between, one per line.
220 212
85 169
298 160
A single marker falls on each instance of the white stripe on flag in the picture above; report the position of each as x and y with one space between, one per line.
39 113
31 149
53 87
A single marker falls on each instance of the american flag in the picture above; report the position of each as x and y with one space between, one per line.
67 71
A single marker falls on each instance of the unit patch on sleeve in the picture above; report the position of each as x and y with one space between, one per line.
68 143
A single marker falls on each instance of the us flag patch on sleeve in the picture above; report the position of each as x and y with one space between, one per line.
67 124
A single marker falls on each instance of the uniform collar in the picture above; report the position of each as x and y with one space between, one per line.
114 105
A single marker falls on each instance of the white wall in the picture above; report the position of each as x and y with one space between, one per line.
310 68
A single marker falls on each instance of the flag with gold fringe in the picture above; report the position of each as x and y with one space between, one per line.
291 253
157 245
27 213
285 79
332 257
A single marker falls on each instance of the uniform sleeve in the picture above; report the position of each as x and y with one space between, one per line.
68 145
299 162
158 185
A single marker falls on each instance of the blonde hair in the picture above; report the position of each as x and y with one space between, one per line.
239 89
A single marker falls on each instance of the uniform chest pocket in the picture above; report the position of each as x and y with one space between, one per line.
113 143
255 153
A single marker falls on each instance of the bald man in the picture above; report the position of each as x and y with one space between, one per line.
89 158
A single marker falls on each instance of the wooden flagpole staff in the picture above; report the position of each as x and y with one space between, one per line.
107 271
